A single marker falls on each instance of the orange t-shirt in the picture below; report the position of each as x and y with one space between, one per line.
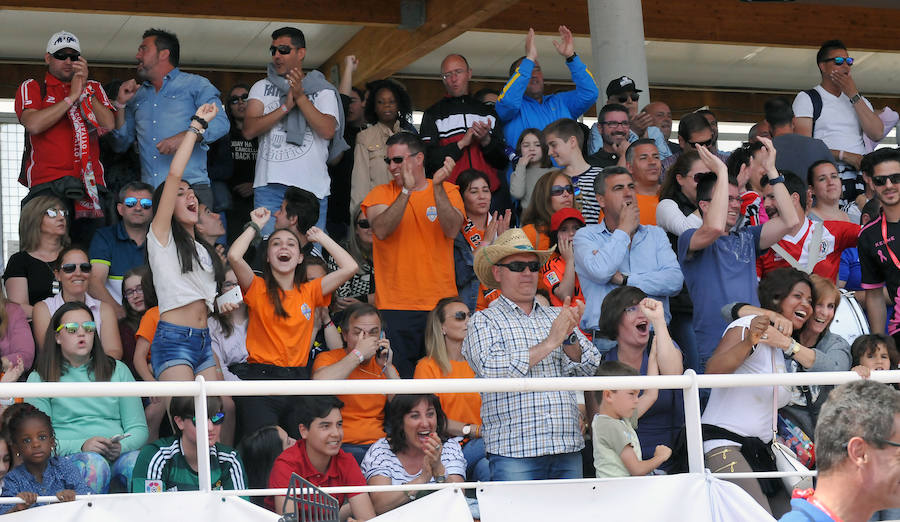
552 274
364 413
147 327
485 297
462 407
647 206
414 265
539 240
282 341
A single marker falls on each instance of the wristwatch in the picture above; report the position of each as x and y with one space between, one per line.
793 348
571 339
467 430
440 479
855 98
775 181
570 59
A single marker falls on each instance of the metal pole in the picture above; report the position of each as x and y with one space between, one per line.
691 396
202 429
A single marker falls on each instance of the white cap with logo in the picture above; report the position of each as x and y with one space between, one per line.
62 40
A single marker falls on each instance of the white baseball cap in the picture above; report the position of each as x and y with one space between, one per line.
62 40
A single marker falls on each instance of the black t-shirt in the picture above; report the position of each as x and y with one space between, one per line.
603 159
38 273
878 266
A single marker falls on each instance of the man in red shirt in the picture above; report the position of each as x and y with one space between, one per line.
824 240
64 115
318 458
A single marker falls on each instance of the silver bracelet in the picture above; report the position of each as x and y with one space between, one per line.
195 130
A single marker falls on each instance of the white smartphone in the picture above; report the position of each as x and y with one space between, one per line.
117 438
232 296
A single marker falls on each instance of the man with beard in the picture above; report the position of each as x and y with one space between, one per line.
614 130
56 112
824 241
623 91
157 114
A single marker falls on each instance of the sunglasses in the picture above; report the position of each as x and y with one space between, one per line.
68 268
133 291
216 419
363 223
839 60
396 159
624 97
462 316
87 326
63 56
700 175
708 143
520 266
557 190
55 212
235 99
881 181
131 202
281 49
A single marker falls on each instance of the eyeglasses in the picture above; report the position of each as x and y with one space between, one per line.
216 419
883 442
132 292
235 99
839 60
520 266
397 159
462 316
557 190
69 268
615 123
449 74
55 212
881 181
87 326
624 97
131 202
63 56
281 49
363 223
228 285
708 143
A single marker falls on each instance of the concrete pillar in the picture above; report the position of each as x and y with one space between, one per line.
617 44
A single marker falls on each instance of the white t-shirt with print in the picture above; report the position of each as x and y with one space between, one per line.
281 162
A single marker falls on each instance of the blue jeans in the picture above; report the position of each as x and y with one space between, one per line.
560 466
478 468
271 196
175 344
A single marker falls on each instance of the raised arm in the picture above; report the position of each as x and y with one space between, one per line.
715 218
775 229
347 266
161 225
510 100
242 270
669 360
350 65
450 218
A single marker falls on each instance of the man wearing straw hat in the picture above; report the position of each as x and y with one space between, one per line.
527 435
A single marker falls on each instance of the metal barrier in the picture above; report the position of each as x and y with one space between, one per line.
690 383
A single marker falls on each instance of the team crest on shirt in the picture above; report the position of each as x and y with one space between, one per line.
431 213
552 278
306 311
153 486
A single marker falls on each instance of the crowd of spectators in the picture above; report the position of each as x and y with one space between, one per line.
636 256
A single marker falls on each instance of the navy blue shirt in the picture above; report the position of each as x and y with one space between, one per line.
112 247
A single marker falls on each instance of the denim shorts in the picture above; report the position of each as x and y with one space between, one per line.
174 344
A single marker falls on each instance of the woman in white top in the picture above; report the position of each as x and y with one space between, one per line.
73 271
677 210
737 422
184 270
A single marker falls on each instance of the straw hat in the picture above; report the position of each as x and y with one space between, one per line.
513 241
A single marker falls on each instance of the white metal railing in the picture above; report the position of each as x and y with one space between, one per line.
690 383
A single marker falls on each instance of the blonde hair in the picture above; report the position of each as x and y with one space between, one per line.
825 288
30 222
435 346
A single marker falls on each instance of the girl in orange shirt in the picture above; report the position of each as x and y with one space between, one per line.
444 334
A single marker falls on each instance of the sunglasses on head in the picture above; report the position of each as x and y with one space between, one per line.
235 99
363 223
840 60
624 97
462 316
145 203
881 181
68 268
87 326
63 55
281 49
216 419
708 143
557 190
55 212
396 159
520 266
